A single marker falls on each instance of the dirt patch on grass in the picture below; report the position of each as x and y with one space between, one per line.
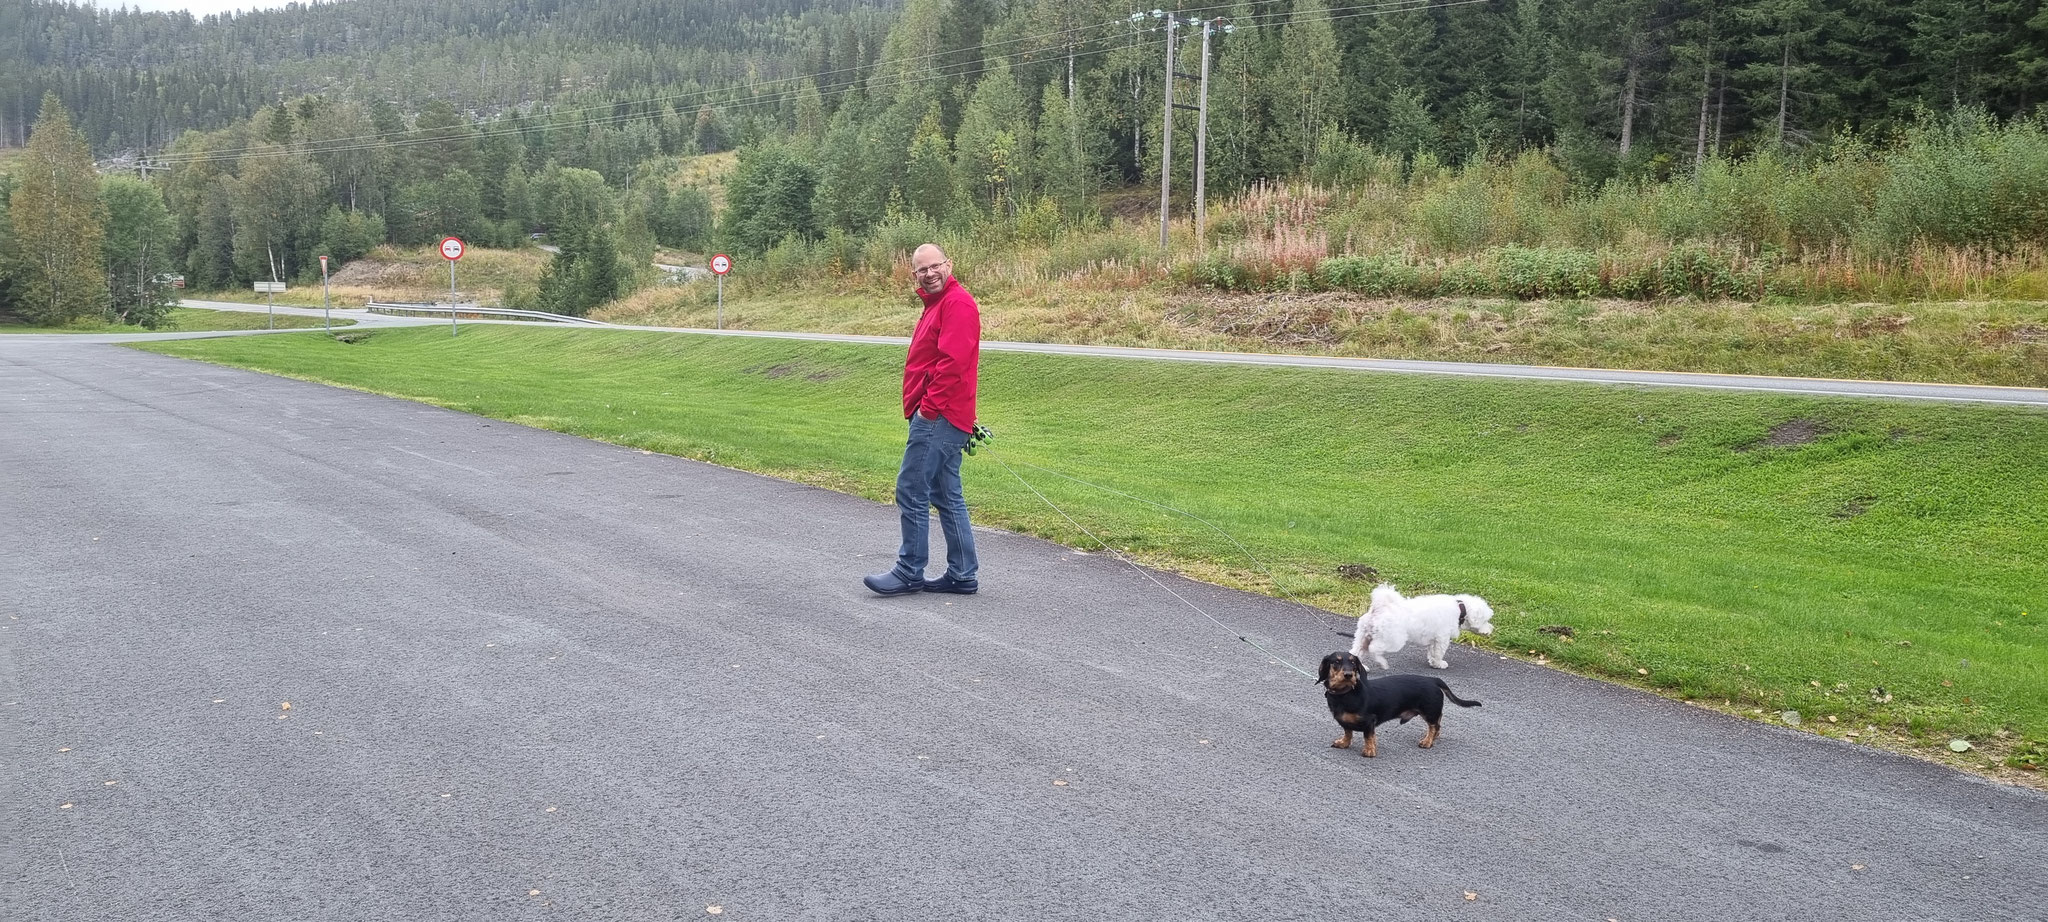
374 273
1853 508
1319 318
2018 334
782 370
1330 318
1791 433
1865 327
1357 571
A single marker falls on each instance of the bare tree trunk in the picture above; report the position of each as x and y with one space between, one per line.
1784 89
1628 107
1137 121
1699 146
1720 108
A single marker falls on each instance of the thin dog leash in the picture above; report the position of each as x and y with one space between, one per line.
1133 565
1254 558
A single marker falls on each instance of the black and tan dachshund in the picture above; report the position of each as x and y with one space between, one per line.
1360 706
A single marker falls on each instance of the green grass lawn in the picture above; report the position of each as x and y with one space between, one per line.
1885 568
186 319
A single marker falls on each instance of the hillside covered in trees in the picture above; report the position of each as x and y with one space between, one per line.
277 136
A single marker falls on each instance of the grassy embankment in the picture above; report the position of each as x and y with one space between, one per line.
1875 566
2001 343
392 273
184 319
1964 342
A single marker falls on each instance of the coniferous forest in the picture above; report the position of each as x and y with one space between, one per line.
1629 148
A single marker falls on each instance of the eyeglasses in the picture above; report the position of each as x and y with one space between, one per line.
931 269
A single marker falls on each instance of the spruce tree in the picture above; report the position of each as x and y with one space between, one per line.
1237 103
993 147
599 276
928 182
851 186
1307 88
1784 86
1065 173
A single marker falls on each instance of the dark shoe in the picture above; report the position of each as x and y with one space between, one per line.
954 586
891 584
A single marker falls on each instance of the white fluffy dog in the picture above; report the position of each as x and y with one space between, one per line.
1391 621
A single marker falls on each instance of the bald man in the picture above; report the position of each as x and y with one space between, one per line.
938 399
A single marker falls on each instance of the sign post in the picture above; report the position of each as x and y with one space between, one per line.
720 265
326 309
271 288
451 250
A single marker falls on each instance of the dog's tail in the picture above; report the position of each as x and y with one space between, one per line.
1453 696
1384 596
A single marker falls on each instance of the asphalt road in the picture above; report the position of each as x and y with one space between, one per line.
532 676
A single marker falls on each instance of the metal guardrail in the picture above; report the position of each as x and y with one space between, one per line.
400 307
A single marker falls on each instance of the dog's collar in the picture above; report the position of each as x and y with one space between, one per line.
1461 612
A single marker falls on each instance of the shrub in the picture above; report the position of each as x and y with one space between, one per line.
1546 273
1703 272
1964 182
1040 222
1385 274
1456 216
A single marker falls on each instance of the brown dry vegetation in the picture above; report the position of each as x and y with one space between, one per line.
1961 342
413 274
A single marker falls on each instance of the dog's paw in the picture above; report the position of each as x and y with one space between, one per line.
1439 664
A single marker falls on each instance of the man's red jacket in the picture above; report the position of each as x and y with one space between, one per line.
945 356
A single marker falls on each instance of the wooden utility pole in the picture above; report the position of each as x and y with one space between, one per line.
1202 141
1166 137
1201 130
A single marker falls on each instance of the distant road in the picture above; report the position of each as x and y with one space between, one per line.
689 273
1815 387
1812 387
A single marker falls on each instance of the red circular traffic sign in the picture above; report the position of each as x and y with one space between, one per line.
451 248
721 264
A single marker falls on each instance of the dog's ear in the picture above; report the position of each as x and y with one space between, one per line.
1323 677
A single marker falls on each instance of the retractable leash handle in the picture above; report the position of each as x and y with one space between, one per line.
980 436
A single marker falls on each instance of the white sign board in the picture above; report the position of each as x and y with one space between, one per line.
451 248
721 264
271 287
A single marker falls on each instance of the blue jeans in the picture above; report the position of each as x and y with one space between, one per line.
930 477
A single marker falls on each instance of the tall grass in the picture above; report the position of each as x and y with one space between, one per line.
1953 208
